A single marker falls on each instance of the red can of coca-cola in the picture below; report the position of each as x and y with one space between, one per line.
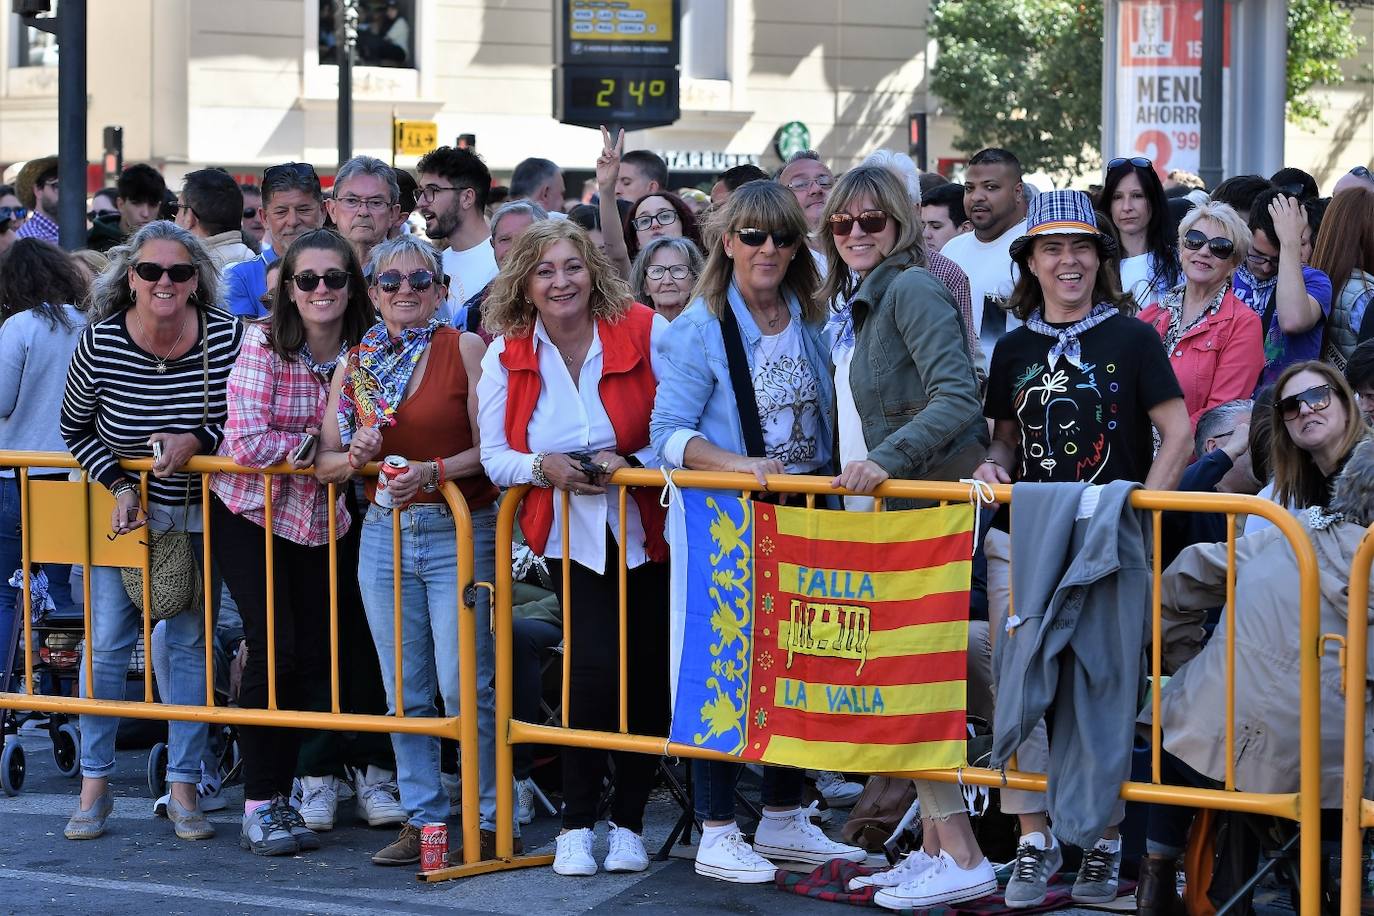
392 467
433 847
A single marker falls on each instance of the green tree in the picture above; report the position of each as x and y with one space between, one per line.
1320 36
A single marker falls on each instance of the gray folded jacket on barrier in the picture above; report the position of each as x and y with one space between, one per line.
1075 642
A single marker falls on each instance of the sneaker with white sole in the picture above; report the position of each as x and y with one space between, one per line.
730 858
837 791
943 883
379 801
1098 876
209 789
905 871
795 839
626 852
265 833
453 785
574 855
307 839
1031 871
319 802
524 800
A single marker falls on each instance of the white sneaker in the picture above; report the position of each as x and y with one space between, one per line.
379 801
837 791
524 800
907 870
731 859
209 791
796 839
626 852
943 883
453 785
319 802
574 855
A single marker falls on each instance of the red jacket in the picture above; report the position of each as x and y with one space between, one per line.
627 390
1220 359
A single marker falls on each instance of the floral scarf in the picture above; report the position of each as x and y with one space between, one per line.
1173 307
378 370
1066 343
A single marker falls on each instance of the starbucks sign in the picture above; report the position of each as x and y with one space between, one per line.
792 137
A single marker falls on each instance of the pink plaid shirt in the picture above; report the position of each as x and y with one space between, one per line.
271 402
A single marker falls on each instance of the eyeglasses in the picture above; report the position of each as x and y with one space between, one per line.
1139 162
419 280
431 191
870 221
1220 247
12 213
676 271
1318 397
1261 260
754 238
375 204
250 212
665 217
824 182
306 281
179 273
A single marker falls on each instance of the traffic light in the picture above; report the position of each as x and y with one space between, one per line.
113 158
917 125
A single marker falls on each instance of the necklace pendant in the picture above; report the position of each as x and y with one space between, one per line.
161 367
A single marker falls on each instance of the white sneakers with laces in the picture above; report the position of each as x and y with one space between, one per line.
574 855
379 801
909 869
626 850
791 837
943 882
727 857
319 802
837 791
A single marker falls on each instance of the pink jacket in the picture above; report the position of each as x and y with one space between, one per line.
1218 360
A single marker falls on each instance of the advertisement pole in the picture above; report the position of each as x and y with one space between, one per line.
1210 132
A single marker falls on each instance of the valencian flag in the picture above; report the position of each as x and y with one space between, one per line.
822 639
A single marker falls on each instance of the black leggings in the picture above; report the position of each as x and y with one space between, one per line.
594 689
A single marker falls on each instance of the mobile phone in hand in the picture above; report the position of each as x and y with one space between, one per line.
303 450
157 449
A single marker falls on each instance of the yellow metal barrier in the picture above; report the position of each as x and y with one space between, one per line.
1357 812
1303 806
68 522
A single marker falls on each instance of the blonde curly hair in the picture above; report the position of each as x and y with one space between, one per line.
509 311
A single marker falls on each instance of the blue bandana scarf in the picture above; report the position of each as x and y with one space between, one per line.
1066 343
379 369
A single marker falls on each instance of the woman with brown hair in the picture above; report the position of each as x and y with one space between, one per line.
1316 426
1344 251
564 402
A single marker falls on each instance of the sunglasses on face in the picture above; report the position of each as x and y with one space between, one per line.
306 281
1221 248
662 217
1318 397
676 271
1139 162
870 221
12 213
419 280
755 238
250 212
152 273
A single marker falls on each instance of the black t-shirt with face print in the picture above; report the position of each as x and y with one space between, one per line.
1088 424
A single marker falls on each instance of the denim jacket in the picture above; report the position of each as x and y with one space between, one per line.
694 392
913 382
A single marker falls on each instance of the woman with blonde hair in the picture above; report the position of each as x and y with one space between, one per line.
564 403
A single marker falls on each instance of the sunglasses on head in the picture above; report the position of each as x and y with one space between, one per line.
307 281
179 273
12 213
1139 162
1318 397
1220 247
754 238
419 280
870 221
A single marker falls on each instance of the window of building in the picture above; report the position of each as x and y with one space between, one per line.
33 48
386 33
705 42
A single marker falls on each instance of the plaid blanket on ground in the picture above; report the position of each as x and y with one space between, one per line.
829 882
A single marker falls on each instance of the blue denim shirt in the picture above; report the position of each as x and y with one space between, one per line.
694 392
245 284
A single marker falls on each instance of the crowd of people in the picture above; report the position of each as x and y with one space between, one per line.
875 324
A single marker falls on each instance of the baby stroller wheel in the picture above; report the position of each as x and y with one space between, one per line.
157 770
66 749
12 768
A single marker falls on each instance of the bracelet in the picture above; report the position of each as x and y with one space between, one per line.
991 460
122 486
432 479
438 471
537 471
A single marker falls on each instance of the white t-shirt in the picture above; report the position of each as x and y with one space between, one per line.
852 444
991 276
1135 279
788 397
468 271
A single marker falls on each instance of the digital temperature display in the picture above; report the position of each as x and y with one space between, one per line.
627 96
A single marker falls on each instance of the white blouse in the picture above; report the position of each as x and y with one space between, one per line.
568 417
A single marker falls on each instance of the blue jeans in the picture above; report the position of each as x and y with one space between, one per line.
59 578
115 626
429 628
713 788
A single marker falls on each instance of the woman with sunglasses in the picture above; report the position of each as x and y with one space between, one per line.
900 342
664 274
1133 197
565 397
1213 339
659 215
1317 423
277 395
12 216
409 388
756 299
148 380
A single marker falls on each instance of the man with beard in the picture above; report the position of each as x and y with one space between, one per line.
995 202
453 192
364 204
291 206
